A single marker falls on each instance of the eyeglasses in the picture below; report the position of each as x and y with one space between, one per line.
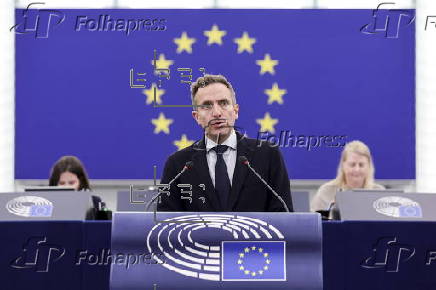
224 105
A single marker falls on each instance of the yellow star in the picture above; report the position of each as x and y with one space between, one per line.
253 248
246 250
267 123
260 250
150 94
260 272
214 35
162 63
245 43
253 274
265 268
162 124
184 43
275 94
241 268
267 64
266 255
241 255
240 261
268 261
246 272
183 142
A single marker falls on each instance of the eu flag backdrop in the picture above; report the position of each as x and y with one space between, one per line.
308 80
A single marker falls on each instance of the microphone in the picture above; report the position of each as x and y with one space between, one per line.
245 161
188 165
326 213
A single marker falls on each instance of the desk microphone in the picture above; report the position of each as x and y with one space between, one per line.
245 161
188 165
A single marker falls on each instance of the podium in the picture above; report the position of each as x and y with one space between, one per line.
209 250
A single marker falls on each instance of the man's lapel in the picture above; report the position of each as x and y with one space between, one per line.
202 172
241 170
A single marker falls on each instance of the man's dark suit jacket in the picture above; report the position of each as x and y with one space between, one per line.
248 193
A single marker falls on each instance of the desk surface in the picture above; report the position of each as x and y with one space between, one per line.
357 255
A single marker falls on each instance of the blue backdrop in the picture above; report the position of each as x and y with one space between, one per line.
74 94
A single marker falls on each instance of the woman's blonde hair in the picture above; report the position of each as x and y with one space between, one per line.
360 148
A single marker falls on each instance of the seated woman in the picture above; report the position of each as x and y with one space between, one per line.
355 171
69 171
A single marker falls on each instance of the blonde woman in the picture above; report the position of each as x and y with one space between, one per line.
355 171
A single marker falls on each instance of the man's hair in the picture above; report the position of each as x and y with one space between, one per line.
206 80
69 164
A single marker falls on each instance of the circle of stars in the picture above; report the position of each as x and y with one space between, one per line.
245 43
255 250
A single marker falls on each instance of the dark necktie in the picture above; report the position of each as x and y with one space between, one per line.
222 181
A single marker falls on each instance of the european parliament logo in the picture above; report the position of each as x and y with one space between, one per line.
243 248
30 206
243 261
398 207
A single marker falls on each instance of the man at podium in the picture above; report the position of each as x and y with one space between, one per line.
216 172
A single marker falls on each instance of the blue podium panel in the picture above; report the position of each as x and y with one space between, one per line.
333 255
96 249
40 255
210 250
54 255
356 255
389 255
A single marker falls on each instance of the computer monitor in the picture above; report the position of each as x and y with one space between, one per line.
44 205
301 201
136 200
49 188
386 205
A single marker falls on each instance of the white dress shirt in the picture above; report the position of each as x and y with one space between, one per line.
229 156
